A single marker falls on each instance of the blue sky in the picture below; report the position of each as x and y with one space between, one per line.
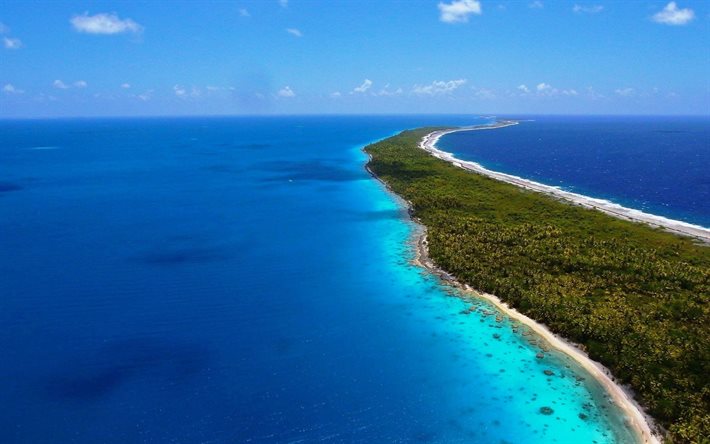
125 58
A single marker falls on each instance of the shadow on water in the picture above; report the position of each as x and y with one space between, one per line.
120 362
312 170
182 255
253 146
6 187
377 215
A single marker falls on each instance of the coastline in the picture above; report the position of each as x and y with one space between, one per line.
428 143
646 429
639 421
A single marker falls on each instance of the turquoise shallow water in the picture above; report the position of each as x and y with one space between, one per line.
245 280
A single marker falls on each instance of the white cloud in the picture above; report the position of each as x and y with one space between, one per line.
183 93
335 95
80 84
104 24
11 43
243 12
672 15
524 89
294 32
10 89
484 93
542 87
387 92
364 87
625 92
283 3
593 9
593 94
145 96
60 85
439 87
125 85
537 4
286 91
458 10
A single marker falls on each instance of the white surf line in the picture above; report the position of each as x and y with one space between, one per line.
428 143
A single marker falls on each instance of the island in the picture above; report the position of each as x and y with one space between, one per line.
629 291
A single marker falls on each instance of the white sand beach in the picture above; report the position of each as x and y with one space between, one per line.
428 143
638 420
642 423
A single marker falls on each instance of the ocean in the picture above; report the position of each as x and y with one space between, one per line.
656 164
229 280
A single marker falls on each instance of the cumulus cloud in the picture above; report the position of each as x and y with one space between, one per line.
286 91
458 11
104 23
61 85
335 95
438 87
674 16
625 92
9 88
243 12
183 93
541 87
364 87
387 92
11 43
484 93
145 96
524 88
537 4
593 9
294 32
125 85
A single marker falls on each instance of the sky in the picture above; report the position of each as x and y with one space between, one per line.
243 57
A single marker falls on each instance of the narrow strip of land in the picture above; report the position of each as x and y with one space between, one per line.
429 141
635 298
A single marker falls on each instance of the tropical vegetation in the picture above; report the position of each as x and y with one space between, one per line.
634 297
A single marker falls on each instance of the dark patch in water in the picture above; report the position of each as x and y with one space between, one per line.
314 170
282 346
222 168
120 362
424 436
396 214
254 146
6 187
89 386
177 256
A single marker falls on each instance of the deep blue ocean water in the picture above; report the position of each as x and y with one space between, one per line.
228 280
659 165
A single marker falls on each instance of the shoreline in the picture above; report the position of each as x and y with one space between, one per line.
428 143
646 429
623 397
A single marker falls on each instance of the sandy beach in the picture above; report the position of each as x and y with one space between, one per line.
623 397
428 143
